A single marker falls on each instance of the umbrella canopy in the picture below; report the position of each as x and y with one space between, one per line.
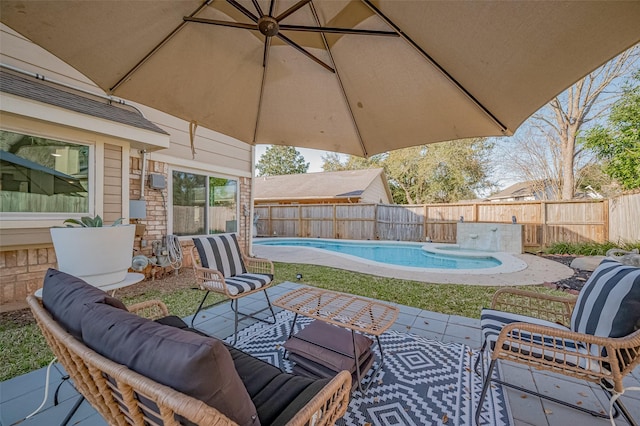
359 77
40 179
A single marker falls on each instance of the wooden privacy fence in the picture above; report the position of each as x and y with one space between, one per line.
545 222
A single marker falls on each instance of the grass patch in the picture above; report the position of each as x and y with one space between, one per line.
451 299
23 349
590 249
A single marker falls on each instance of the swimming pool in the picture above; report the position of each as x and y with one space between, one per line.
406 254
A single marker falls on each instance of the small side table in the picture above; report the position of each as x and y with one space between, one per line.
344 310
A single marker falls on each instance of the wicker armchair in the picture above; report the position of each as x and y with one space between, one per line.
220 266
535 329
118 393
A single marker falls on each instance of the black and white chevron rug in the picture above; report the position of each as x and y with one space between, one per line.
423 382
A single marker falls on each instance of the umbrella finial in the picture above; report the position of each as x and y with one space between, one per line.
268 26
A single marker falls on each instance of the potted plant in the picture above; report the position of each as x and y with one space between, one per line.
100 255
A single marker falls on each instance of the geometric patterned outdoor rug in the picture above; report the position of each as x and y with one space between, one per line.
423 382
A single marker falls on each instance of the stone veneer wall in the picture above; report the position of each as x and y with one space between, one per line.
22 272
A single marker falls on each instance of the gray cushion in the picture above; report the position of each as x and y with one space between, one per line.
65 297
192 364
328 345
609 303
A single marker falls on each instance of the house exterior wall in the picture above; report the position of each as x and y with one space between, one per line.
26 251
376 193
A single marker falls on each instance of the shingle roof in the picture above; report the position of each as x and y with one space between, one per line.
342 184
48 93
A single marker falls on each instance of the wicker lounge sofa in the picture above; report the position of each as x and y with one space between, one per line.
135 370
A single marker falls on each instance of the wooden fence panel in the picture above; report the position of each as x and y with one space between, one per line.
544 222
317 221
400 223
355 221
624 218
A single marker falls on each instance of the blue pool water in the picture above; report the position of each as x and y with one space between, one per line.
403 254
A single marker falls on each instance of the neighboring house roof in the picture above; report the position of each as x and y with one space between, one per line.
531 188
520 189
60 96
323 185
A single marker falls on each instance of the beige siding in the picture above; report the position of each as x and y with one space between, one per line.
375 193
112 183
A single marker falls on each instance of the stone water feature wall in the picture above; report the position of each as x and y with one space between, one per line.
491 237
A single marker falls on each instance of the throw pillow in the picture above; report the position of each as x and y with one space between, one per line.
65 297
609 303
195 365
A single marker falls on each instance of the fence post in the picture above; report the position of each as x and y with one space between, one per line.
605 217
269 224
300 221
375 222
475 212
543 223
334 221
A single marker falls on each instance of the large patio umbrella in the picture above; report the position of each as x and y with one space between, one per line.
359 76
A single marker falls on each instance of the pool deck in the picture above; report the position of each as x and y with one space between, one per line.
538 270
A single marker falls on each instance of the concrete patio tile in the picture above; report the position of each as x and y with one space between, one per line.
564 390
559 415
405 319
631 404
468 322
410 310
469 336
434 315
427 334
519 376
401 328
526 408
432 325
521 423
446 338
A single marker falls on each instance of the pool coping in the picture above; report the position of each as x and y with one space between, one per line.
537 270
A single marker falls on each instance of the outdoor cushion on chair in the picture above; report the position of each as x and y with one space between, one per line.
198 366
221 267
65 297
609 303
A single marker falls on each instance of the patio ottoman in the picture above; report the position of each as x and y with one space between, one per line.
322 350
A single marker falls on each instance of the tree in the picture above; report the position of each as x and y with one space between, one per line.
562 119
441 173
331 162
618 144
281 160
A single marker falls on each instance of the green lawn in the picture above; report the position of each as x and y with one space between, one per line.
23 349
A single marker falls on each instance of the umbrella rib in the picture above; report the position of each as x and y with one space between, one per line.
222 23
271 6
244 10
344 93
434 63
291 10
265 57
303 51
257 6
156 48
338 30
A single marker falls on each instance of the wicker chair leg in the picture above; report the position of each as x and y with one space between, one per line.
73 410
485 388
618 406
239 316
199 307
